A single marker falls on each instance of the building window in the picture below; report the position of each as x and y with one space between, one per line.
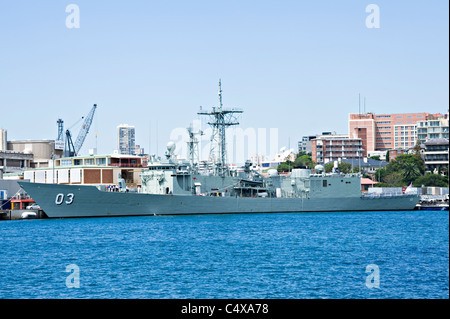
101 161
89 161
66 162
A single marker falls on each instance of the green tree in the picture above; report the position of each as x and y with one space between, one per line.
410 172
381 184
380 174
285 167
431 180
344 167
394 179
401 161
417 149
304 160
408 166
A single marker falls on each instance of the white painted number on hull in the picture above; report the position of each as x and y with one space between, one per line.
60 199
70 201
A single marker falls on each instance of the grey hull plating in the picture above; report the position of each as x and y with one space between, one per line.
63 201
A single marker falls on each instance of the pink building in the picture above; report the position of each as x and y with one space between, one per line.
385 131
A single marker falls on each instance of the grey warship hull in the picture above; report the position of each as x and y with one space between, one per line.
176 186
69 201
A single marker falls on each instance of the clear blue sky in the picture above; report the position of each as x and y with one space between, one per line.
294 65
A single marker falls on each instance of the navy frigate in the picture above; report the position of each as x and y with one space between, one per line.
174 186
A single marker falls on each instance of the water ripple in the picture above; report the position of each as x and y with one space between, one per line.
229 256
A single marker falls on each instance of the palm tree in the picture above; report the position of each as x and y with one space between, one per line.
410 172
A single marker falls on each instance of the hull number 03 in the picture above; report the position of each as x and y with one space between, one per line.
60 199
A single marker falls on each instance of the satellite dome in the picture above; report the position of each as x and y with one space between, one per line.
272 172
171 146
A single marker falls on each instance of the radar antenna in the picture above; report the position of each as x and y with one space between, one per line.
220 119
193 148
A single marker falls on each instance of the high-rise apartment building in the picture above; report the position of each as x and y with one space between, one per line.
433 128
126 139
380 132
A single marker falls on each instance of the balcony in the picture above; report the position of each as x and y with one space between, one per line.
125 165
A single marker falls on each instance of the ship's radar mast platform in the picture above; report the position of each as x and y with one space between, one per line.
220 119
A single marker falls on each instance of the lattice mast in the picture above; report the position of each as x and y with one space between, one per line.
193 152
60 123
220 119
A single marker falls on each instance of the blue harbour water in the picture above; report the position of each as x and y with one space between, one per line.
304 255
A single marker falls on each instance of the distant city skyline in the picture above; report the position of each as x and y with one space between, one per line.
291 65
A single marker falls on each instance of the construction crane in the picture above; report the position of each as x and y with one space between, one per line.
72 149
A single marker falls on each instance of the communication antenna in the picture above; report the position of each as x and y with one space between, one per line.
157 138
149 137
193 151
359 105
220 119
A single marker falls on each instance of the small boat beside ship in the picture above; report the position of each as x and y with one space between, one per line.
439 203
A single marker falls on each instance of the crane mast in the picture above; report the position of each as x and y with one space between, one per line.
72 149
84 129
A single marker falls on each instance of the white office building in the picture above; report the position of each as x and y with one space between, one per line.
126 139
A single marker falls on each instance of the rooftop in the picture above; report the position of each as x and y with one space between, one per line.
363 162
367 181
103 155
437 141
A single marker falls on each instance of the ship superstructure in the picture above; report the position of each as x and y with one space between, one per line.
180 186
